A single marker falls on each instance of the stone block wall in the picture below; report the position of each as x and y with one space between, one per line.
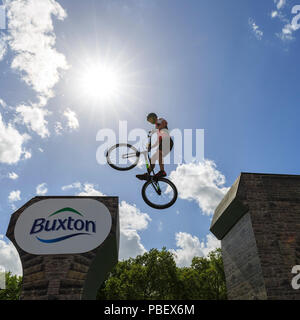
258 223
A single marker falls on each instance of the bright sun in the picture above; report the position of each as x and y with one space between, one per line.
101 82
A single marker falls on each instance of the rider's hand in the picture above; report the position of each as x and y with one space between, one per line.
152 132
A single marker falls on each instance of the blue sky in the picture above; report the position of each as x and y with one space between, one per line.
228 67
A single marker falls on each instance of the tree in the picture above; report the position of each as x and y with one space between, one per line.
210 272
154 275
189 287
13 287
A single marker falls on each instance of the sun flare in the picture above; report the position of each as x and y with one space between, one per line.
100 82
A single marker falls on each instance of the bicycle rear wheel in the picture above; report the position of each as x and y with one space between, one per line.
122 156
159 193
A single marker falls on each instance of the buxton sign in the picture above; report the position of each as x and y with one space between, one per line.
67 245
63 226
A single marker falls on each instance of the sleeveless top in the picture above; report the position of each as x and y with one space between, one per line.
162 126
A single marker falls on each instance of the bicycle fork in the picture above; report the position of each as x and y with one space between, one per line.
154 183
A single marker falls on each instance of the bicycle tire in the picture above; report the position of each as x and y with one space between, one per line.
114 166
156 206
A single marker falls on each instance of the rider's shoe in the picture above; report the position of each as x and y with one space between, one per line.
160 174
144 176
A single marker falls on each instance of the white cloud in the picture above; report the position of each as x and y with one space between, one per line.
279 14
13 176
34 118
3 103
11 143
41 189
190 246
280 3
9 257
3 48
72 121
88 189
288 29
255 29
75 185
31 38
287 32
200 182
27 155
58 128
14 196
132 220
130 244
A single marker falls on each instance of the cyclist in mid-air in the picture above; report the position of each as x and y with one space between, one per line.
164 143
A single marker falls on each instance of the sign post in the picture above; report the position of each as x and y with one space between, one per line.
67 245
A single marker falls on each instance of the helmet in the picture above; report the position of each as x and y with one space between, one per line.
152 115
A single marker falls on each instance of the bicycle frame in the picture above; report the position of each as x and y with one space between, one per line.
146 154
151 179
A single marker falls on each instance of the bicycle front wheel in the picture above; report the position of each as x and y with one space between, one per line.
160 193
122 156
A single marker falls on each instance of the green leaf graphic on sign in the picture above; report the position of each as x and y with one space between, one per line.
64 210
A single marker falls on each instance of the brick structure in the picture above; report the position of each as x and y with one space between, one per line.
68 276
258 223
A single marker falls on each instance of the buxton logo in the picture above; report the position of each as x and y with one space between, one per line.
87 227
63 226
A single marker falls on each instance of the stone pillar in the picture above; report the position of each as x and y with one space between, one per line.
258 223
67 276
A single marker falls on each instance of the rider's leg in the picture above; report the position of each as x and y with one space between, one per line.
162 172
154 158
160 161
164 149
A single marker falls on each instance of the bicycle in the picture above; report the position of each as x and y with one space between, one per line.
158 193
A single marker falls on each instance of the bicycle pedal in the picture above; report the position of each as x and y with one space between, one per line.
142 176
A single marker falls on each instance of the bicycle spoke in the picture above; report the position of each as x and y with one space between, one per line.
159 193
122 157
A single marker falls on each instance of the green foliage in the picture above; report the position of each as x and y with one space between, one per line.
154 275
13 287
210 276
